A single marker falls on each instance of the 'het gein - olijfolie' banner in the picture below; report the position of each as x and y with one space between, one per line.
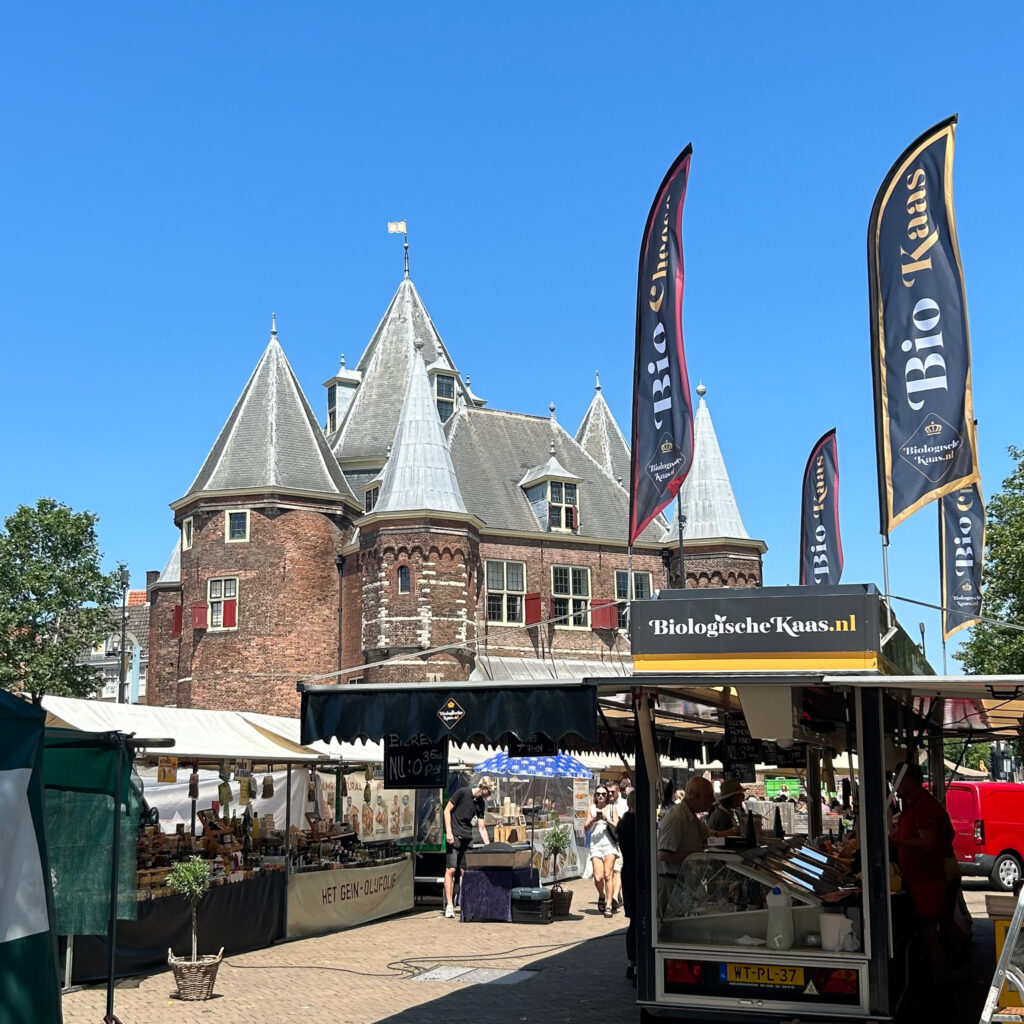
920 351
961 553
821 544
662 450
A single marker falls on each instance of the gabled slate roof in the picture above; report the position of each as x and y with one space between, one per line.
551 468
372 417
419 474
492 450
707 496
272 441
599 434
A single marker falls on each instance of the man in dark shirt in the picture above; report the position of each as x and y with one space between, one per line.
464 805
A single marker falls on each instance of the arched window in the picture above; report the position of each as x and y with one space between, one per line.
404 579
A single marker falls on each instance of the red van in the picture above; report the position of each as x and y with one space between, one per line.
988 819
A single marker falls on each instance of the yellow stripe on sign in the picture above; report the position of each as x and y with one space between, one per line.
826 661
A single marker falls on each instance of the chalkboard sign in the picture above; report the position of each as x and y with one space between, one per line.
538 745
418 764
739 744
741 771
785 757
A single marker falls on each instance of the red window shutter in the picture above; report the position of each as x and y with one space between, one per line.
570 517
533 612
176 621
230 614
576 517
604 615
199 615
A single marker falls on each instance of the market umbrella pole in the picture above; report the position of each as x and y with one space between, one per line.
115 870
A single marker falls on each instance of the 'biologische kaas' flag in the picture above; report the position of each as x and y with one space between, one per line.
961 553
920 346
662 449
821 545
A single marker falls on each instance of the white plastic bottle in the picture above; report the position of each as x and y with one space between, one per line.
780 919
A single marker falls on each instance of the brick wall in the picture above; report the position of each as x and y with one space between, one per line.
731 566
556 639
441 560
287 624
162 671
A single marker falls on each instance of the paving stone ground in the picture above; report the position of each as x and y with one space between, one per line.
365 975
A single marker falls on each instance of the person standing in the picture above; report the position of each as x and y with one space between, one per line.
923 838
616 799
601 822
682 833
727 816
627 847
464 805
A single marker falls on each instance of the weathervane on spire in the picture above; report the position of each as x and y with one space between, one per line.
400 227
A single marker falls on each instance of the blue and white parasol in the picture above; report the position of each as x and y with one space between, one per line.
558 766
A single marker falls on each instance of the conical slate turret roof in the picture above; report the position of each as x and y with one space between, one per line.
707 496
372 417
601 438
419 475
272 441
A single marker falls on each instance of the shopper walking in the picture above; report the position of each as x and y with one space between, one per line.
464 805
616 800
602 821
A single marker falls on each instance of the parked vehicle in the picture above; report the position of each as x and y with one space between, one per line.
988 819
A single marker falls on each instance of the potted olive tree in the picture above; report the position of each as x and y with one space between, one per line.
195 978
556 843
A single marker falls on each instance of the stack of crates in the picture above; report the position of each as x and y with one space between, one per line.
532 906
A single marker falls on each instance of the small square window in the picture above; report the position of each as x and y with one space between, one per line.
223 602
505 591
370 498
237 526
556 492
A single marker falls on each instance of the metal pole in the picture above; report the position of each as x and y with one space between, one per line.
681 523
122 694
115 870
885 577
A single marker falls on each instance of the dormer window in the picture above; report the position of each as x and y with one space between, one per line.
332 408
370 498
563 506
444 395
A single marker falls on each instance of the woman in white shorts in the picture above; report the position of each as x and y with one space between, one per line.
603 848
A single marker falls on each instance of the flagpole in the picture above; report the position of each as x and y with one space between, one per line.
681 523
885 576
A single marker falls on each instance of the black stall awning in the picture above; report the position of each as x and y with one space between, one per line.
465 712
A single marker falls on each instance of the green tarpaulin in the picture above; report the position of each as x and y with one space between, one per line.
29 980
80 772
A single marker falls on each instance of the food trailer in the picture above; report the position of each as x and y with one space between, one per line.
811 673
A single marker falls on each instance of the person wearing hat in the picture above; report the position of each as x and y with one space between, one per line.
727 817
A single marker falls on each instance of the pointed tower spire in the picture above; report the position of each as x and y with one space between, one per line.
601 438
271 441
707 496
419 475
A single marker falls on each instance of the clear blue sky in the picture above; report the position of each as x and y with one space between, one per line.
174 173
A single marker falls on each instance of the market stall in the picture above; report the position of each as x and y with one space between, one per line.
716 938
243 794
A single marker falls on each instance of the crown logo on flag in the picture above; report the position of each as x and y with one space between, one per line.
933 428
666 446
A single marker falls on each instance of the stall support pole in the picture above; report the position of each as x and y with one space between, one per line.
646 867
813 793
937 763
874 844
287 841
115 871
337 793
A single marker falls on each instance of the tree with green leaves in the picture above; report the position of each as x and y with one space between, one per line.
993 650
55 600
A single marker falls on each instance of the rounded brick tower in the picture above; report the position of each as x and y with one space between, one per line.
261 527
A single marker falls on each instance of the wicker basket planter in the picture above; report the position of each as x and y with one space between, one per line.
561 900
195 978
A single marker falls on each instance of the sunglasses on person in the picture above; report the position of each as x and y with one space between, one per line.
601 792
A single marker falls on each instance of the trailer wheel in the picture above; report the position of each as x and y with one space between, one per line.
1005 872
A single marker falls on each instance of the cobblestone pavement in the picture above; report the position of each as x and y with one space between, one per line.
363 975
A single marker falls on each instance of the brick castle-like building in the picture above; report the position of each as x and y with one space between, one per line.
415 518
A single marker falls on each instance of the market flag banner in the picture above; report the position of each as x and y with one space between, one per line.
29 981
961 553
821 545
662 439
920 344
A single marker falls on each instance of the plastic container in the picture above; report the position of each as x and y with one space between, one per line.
780 919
